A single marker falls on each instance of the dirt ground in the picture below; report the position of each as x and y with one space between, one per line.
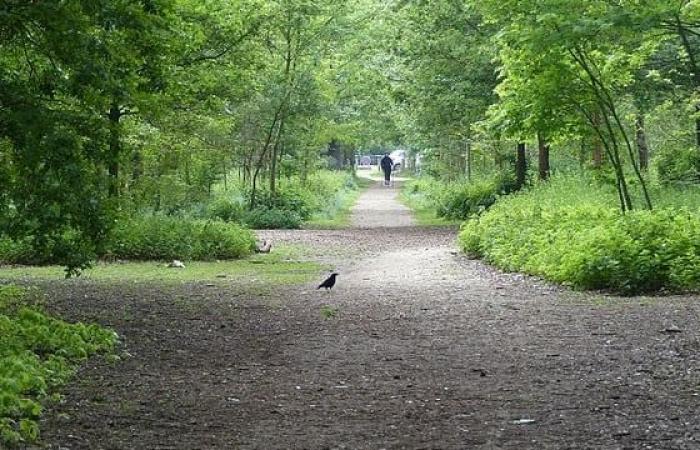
416 347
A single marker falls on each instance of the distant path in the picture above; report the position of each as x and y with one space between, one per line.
419 348
378 207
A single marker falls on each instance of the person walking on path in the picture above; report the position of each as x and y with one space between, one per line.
386 164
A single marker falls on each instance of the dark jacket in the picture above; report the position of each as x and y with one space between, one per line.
386 163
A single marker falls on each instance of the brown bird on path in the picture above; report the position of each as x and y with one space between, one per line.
329 282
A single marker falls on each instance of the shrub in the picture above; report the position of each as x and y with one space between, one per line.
225 208
164 238
16 252
266 219
37 354
678 165
70 249
460 200
296 200
586 243
292 199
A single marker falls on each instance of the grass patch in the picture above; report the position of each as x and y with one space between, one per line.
38 354
328 312
281 266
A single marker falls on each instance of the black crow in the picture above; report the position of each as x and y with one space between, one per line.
329 283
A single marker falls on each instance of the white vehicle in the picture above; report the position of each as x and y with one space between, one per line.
399 159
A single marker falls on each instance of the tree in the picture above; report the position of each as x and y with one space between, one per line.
560 61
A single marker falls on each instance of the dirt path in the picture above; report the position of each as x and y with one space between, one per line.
423 349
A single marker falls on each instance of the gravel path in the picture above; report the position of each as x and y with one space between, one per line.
417 347
378 208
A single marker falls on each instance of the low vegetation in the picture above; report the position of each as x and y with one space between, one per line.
163 238
38 353
218 229
568 231
453 201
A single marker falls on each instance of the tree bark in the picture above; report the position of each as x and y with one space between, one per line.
641 141
114 116
468 159
697 126
597 144
273 157
543 157
520 166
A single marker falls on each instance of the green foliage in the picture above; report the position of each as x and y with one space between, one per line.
337 212
678 166
463 200
68 72
297 200
166 238
460 200
227 208
38 353
264 218
566 231
69 248
291 198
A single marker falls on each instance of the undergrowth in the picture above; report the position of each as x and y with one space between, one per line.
570 231
457 200
38 354
164 238
215 230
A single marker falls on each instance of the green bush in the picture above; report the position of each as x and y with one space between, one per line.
678 165
268 219
17 252
291 199
460 200
570 237
69 249
165 238
295 197
227 209
37 354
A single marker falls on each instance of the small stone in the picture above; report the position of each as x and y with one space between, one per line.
671 329
523 421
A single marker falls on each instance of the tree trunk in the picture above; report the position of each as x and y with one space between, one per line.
597 145
641 140
697 126
115 115
273 156
520 166
136 166
543 157
225 169
468 159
